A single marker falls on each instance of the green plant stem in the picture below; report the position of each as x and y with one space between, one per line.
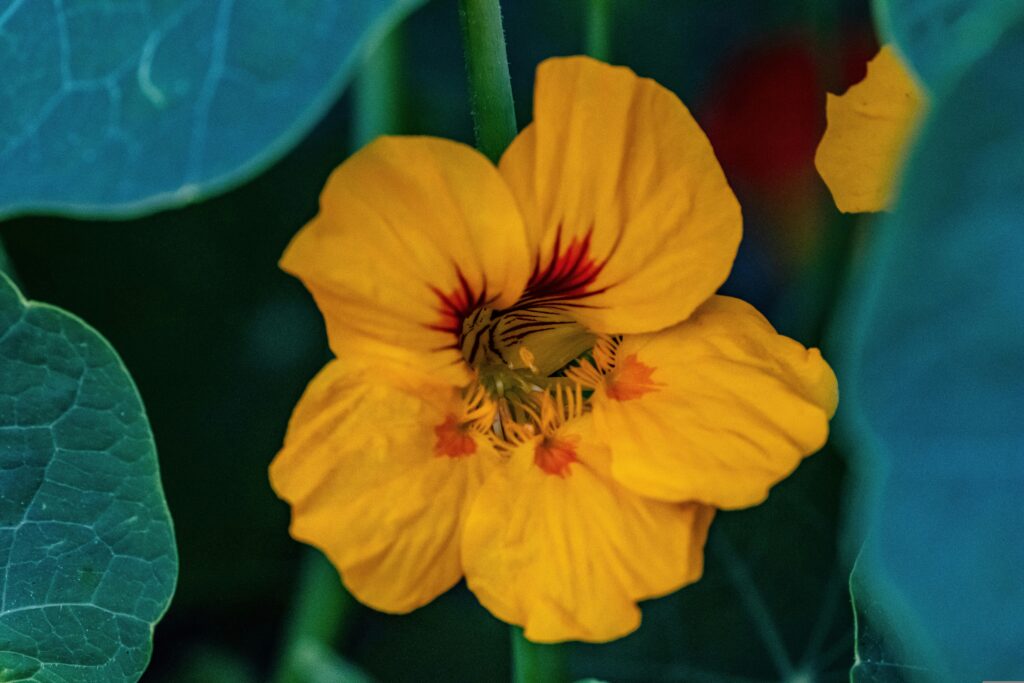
536 662
599 29
490 89
494 119
320 610
379 103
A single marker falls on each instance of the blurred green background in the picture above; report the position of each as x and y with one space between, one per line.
221 344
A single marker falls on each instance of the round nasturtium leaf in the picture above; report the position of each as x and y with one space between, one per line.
936 376
87 556
118 108
941 38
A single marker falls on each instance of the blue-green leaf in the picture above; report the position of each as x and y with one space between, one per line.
941 38
117 108
87 556
880 655
935 384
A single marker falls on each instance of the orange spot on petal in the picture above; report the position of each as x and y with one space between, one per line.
555 455
632 379
452 439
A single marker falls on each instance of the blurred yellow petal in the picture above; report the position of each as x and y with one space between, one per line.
626 207
380 480
555 545
413 233
869 128
716 409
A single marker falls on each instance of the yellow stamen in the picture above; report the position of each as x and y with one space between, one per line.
528 359
592 374
585 374
605 349
478 409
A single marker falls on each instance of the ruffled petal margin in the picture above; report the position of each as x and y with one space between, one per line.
567 557
377 484
716 409
618 185
412 234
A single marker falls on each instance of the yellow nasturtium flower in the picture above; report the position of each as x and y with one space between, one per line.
868 131
536 386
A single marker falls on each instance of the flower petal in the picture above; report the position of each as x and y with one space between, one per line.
716 409
377 485
411 233
869 128
567 557
616 177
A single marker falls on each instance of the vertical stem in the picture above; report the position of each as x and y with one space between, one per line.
599 29
490 89
322 608
536 662
379 102
494 119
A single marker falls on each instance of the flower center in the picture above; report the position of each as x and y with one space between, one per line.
533 362
541 339
519 355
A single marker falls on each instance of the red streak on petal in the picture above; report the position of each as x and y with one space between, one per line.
452 440
630 380
568 275
455 306
555 455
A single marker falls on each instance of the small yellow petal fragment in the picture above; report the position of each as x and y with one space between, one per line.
869 127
